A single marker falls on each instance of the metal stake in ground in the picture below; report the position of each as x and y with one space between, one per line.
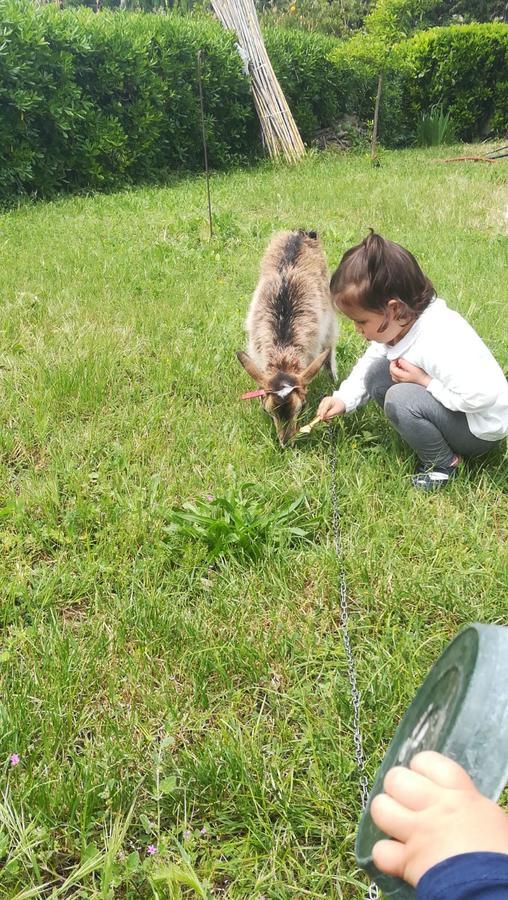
372 892
205 145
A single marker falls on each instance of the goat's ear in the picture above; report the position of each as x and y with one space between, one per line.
313 368
250 366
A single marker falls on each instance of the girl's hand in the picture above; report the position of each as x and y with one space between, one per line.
402 372
433 811
330 407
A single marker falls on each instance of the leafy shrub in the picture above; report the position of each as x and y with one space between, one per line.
356 69
92 101
335 17
325 80
316 94
241 525
464 68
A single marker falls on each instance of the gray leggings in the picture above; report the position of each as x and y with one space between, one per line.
434 432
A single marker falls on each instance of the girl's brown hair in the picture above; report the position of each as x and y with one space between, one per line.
378 270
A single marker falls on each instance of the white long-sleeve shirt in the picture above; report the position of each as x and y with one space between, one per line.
464 375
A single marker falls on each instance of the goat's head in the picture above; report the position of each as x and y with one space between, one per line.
285 392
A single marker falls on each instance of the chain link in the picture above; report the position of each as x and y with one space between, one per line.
372 892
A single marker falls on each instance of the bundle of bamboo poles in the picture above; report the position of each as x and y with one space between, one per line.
280 134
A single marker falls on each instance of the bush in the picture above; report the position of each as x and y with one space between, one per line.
464 69
92 101
461 69
96 101
323 81
356 69
316 94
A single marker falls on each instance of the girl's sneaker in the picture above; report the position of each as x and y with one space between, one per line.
434 479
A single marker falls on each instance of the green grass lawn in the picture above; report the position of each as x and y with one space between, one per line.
156 697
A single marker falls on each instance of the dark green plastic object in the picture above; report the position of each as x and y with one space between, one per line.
460 710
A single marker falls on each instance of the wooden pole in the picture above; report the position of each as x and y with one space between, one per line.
375 125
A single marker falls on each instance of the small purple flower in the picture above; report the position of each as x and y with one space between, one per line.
210 497
151 849
187 834
14 759
204 830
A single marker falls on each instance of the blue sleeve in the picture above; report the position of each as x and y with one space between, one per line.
470 876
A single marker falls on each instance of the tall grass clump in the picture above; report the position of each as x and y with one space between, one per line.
435 128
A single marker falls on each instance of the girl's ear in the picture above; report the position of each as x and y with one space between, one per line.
398 309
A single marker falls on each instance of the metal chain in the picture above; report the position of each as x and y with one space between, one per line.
372 892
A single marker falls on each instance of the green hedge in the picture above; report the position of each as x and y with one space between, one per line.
94 101
323 81
355 68
308 77
465 69
462 67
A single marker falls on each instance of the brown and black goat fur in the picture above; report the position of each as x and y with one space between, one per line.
291 326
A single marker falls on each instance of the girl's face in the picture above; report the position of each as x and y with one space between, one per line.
368 322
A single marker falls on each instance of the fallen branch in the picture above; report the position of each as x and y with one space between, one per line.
468 158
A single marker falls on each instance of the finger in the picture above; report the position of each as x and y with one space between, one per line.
391 817
325 408
411 789
442 770
390 857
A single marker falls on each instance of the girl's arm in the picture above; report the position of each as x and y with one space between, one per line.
470 876
467 396
464 376
352 391
466 382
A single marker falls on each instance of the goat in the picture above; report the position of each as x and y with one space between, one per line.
291 326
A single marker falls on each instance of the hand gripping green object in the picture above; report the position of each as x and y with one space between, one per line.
460 710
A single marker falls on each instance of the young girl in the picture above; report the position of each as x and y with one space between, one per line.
430 372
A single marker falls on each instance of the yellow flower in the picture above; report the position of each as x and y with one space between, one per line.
292 8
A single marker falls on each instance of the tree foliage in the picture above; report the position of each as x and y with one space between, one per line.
336 17
340 18
343 17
